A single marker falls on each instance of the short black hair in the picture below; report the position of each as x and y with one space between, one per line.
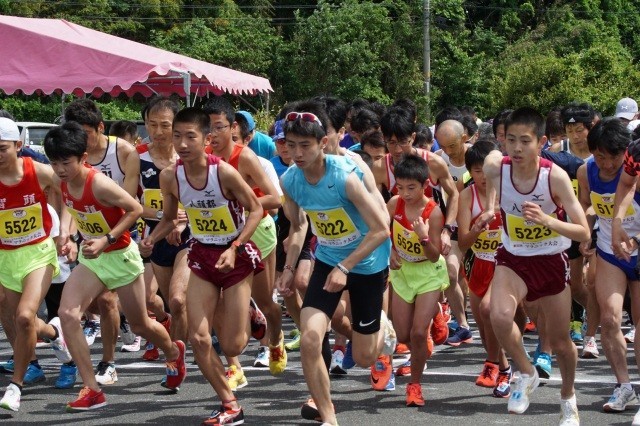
220 106
161 104
424 136
448 113
193 115
397 121
123 128
469 124
478 152
578 113
499 119
412 167
374 138
408 105
529 117
554 125
84 112
610 135
308 128
336 110
364 120
66 141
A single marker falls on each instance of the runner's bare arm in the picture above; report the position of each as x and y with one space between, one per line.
250 166
297 233
234 187
577 229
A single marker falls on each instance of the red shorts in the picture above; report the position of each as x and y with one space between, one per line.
202 260
481 276
544 275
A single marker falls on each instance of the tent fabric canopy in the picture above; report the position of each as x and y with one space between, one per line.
54 55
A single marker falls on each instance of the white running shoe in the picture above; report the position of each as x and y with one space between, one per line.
622 396
11 398
631 335
134 347
336 363
590 348
58 345
91 330
262 359
106 373
569 410
522 387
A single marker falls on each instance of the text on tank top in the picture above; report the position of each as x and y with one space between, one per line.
110 165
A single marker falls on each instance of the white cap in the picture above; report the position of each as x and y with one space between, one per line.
8 130
626 108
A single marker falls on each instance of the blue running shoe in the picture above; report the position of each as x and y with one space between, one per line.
576 332
543 365
391 384
453 325
348 361
33 375
461 335
67 377
7 366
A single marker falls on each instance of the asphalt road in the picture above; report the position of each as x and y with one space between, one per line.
448 386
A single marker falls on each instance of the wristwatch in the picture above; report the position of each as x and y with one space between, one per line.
239 247
111 239
637 240
159 214
75 237
450 228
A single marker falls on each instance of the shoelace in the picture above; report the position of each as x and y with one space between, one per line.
276 353
102 368
414 391
85 391
486 372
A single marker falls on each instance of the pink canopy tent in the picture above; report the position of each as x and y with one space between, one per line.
54 55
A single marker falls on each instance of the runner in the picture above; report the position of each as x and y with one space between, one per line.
350 231
103 212
222 259
531 264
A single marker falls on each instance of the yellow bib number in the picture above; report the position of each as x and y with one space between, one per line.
526 231
21 225
216 222
153 198
574 184
90 225
333 227
603 205
407 244
487 243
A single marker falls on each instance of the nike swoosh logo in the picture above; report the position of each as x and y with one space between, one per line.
374 380
331 186
367 324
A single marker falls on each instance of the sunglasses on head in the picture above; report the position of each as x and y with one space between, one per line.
304 116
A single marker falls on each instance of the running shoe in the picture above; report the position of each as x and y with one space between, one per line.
348 362
7 366
402 349
258 321
11 398
294 344
503 384
293 333
167 323
461 335
414 395
523 387
381 371
225 415
391 384
590 348
67 377
262 359
58 345
134 347
543 365
576 331
106 373
530 326
236 378
176 369
128 336
278 357
88 399
404 369
151 353
621 398
309 411
90 330
390 339
336 363
439 327
569 410
631 335
34 374
488 378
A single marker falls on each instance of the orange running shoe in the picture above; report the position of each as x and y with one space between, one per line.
381 372
402 349
88 399
530 327
151 353
414 395
167 324
404 369
439 328
488 378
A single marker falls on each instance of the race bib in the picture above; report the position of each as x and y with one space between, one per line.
212 226
603 205
334 227
574 184
407 243
90 225
487 243
21 225
525 233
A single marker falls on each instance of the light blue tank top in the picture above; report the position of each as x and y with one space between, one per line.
334 220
